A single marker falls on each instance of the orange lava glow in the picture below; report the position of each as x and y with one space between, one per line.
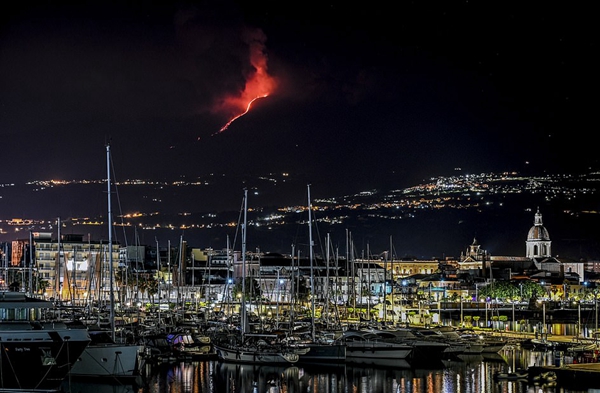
241 114
259 84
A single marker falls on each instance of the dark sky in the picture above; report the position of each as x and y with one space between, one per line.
354 95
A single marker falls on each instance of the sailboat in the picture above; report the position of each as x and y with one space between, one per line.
255 348
322 347
104 357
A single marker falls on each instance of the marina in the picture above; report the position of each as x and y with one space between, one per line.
192 354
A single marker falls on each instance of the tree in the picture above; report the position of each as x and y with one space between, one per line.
152 287
512 290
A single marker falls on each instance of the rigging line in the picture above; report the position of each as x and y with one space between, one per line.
50 368
314 224
239 223
116 191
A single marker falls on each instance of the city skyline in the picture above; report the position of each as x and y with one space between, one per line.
350 97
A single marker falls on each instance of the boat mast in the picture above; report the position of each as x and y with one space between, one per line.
31 290
158 276
179 263
57 270
391 260
110 245
312 275
243 303
326 290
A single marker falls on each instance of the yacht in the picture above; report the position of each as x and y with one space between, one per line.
108 359
36 355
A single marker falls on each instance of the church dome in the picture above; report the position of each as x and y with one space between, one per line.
538 231
538 240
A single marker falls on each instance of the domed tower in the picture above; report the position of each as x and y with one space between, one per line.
538 239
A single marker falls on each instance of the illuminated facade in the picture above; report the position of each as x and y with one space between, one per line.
79 272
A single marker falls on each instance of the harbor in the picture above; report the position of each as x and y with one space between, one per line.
136 310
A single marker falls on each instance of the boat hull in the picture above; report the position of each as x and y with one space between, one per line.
108 360
324 353
246 355
38 360
363 352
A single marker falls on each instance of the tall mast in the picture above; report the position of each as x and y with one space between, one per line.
110 245
158 271
179 263
391 259
158 277
326 290
57 271
312 275
31 290
243 304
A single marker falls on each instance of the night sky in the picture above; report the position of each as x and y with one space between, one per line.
351 95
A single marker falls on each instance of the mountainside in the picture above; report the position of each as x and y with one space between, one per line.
437 218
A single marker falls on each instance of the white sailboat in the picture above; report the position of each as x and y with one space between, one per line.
104 357
321 347
253 348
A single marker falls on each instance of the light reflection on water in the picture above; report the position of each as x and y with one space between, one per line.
468 374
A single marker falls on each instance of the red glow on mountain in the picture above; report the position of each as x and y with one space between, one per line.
241 114
259 83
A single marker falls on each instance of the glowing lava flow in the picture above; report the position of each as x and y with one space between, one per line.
257 82
241 114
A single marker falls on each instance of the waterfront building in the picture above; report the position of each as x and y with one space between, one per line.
75 269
